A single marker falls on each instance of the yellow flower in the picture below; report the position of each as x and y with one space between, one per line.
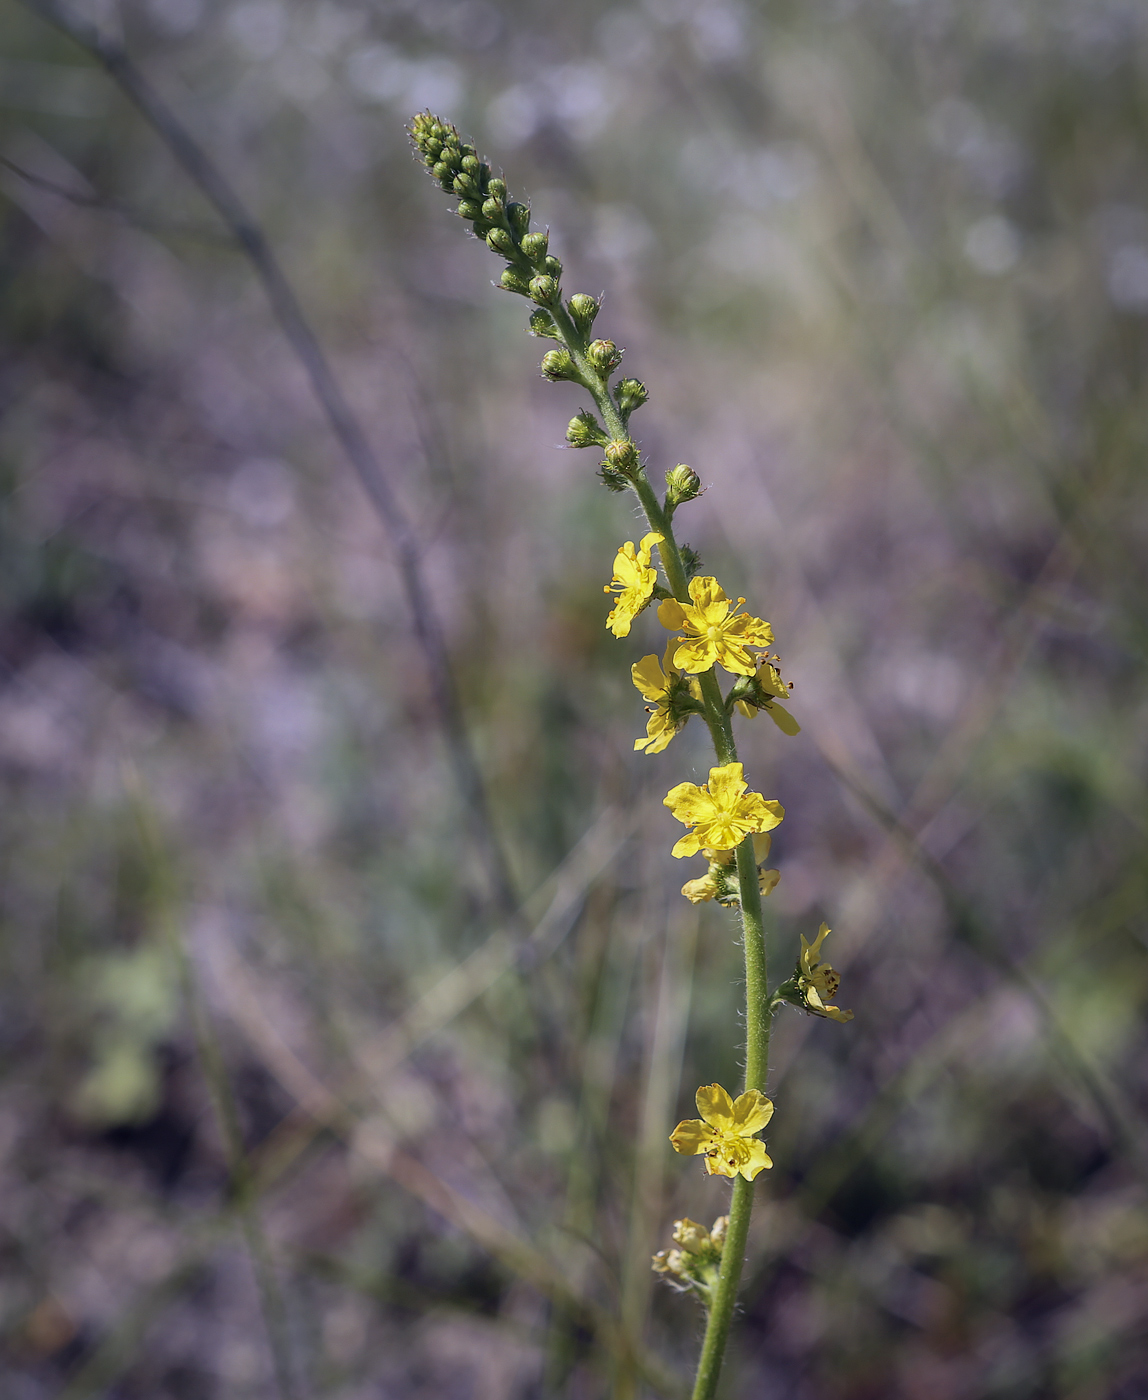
660 686
633 582
817 981
725 1132
717 632
722 812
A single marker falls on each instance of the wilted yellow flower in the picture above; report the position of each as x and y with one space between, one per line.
702 890
717 632
696 1264
817 981
659 686
720 882
633 582
722 812
725 1132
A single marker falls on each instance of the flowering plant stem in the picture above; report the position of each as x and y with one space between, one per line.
725 820
758 1011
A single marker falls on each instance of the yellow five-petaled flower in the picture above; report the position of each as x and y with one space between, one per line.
657 685
817 981
716 631
725 1132
722 813
633 582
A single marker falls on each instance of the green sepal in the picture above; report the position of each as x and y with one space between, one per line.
691 560
542 323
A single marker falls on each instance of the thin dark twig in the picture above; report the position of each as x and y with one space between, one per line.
342 420
147 222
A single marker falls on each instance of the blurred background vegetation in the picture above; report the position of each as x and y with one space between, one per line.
288 1108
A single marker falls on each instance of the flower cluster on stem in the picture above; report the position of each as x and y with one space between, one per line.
726 821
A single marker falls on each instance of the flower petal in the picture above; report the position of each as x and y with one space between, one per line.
782 718
689 803
660 729
695 655
708 595
751 1112
649 677
750 631
687 845
771 682
670 615
717 1164
648 542
757 1160
701 890
759 813
620 621
726 784
692 1136
716 1107
735 658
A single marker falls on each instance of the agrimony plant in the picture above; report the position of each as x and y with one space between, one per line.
726 822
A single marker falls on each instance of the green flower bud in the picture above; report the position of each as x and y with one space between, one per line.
492 209
584 430
682 484
543 290
496 189
534 246
499 241
442 171
691 559
622 455
519 216
582 311
629 395
557 364
542 323
554 268
471 164
513 281
469 209
604 355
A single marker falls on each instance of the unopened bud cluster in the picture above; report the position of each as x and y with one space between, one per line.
532 271
502 223
693 1267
